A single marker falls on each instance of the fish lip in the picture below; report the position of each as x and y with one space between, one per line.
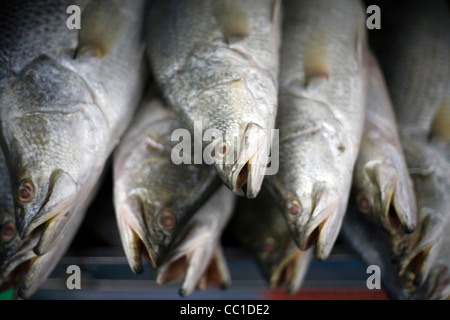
251 160
395 220
54 205
293 257
422 251
314 229
24 254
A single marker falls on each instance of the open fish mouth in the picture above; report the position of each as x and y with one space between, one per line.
413 270
52 217
291 270
135 240
321 226
250 167
13 270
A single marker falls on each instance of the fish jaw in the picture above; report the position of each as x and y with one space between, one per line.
251 163
312 220
197 267
59 199
15 266
131 224
397 201
291 270
415 265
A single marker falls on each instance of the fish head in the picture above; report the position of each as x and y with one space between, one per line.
10 241
312 217
153 198
385 197
241 161
51 131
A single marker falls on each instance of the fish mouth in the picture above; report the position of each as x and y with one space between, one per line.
251 162
397 200
134 239
12 271
291 270
413 271
198 261
321 228
58 201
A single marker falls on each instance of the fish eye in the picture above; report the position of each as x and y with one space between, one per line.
8 232
166 220
363 203
222 149
293 207
26 190
269 244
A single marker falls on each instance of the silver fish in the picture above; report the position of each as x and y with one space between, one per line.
221 71
259 226
153 197
320 116
382 187
10 241
197 257
66 97
415 60
367 240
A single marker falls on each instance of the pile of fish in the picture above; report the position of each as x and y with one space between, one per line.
284 103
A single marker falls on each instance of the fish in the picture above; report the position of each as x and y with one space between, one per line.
10 242
154 197
220 75
368 241
259 226
414 254
65 101
382 187
413 50
197 256
20 267
322 86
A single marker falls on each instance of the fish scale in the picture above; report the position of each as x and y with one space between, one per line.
63 108
148 186
222 71
320 116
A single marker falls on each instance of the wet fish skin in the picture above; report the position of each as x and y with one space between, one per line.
320 117
382 187
222 71
259 226
368 241
414 59
197 253
62 114
153 197
413 49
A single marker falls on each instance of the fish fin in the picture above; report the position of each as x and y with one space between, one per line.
440 126
231 19
316 62
101 25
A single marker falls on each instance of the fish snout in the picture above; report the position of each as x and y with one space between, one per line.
135 240
35 214
252 158
397 200
309 219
